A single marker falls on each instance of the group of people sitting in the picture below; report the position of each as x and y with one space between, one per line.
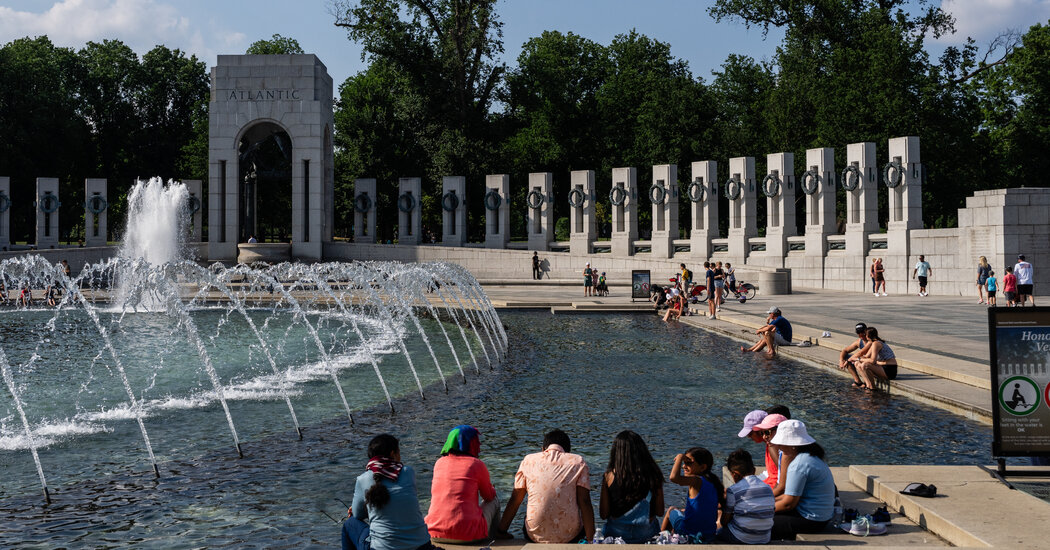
795 494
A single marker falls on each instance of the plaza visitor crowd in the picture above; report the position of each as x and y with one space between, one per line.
795 493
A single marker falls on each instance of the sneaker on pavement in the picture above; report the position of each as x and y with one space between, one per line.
863 526
881 515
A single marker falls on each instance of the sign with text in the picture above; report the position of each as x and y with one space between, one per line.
1019 345
640 284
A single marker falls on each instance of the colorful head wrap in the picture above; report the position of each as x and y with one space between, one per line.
463 439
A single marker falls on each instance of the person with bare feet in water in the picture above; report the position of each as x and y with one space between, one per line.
776 332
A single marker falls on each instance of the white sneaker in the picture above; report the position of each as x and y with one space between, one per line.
875 293
884 294
863 527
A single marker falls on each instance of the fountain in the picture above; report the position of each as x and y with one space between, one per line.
152 337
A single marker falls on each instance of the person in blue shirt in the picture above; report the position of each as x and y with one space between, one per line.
385 497
808 501
776 332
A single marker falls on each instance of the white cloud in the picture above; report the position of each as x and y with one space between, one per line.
141 24
984 19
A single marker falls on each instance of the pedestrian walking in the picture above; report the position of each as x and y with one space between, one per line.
983 269
1025 281
922 271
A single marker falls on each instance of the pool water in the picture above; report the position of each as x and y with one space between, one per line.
590 375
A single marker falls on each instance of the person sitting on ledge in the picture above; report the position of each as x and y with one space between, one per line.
558 484
459 478
854 350
632 493
385 496
876 360
776 332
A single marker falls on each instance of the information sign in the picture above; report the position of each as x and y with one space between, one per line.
1019 345
640 284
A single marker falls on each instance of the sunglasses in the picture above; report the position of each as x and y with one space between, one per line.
770 431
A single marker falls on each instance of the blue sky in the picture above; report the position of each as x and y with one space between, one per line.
209 28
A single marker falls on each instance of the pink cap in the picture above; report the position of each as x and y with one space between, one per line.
771 421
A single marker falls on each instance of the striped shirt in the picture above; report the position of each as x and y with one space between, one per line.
751 502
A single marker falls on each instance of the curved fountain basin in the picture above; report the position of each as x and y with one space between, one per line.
272 253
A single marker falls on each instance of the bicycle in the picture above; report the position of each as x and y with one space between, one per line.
744 290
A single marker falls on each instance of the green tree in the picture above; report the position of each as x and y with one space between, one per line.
45 134
1015 102
444 51
277 44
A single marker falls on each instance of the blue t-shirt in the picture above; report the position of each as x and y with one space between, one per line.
398 525
922 269
783 327
992 284
701 513
809 478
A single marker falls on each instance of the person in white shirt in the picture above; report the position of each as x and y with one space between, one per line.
1025 281
922 271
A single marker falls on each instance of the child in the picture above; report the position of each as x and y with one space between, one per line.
385 497
675 311
632 491
991 282
747 517
603 288
1010 287
706 493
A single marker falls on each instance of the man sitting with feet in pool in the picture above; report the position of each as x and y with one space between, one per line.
777 332
854 350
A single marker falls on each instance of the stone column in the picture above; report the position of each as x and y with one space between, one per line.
905 205
582 227
222 207
453 210
780 207
96 198
705 212
625 214
5 213
497 210
818 183
540 203
365 210
195 211
665 211
47 222
906 198
408 208
742 210
862 212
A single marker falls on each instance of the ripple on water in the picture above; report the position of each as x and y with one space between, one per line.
590 375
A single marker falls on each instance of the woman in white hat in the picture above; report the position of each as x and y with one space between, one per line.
808 501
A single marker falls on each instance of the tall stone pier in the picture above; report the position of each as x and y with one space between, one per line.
453 210
540 201
582 227
703 193
409 211
740 189
664 195
623 200
365 210
779 188
497 210
96 212
47 213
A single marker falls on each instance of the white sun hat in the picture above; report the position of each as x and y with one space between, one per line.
792 433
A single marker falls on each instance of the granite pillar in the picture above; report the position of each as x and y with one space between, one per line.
409 191
665 211
625 214
741 190
453 210
779 188
704 212
96 210
540 203
365 210
582 226
497 210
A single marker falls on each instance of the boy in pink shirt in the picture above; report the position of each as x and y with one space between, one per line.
558 485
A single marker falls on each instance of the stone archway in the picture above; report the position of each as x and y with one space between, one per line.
265 174
260 106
